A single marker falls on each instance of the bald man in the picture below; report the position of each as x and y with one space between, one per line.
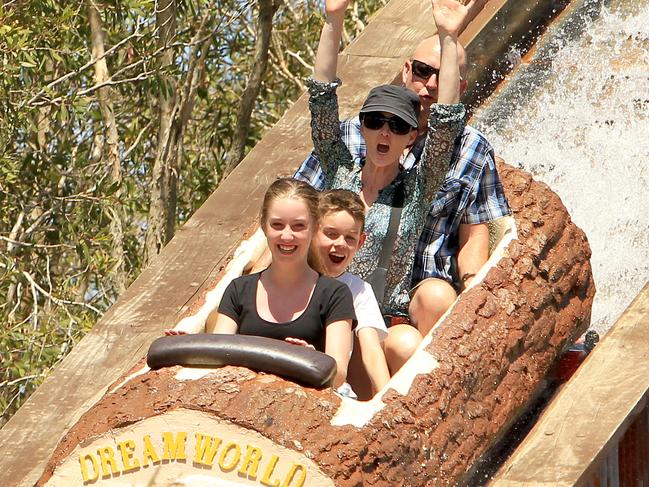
454 243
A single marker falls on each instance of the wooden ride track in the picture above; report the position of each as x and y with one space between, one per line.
595 431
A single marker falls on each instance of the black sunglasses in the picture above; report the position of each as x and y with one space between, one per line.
375 120
423 70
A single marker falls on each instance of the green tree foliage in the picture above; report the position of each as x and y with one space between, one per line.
59 193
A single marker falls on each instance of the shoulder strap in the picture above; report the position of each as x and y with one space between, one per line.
378 277
393 226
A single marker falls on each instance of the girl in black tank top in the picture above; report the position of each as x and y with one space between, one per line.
290 300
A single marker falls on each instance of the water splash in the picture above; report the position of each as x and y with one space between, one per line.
584 130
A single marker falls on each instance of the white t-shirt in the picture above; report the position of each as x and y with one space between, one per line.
368 313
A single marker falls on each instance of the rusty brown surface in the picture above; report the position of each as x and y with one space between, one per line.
494 349
499 341
592 431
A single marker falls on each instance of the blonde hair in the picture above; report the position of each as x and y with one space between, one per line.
289 188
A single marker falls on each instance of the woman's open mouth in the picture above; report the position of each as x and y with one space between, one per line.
287 249
383 148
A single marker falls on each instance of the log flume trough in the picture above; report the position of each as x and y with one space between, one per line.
101 419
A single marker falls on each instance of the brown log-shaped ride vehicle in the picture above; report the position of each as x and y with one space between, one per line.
471 378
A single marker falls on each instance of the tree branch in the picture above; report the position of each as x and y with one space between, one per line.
92 89
298 58
57 301
280 65
13 235
34 304
113 161
267 10
89 64
156 236
36 246
9 383
135 143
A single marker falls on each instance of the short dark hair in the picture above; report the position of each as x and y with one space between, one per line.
335 200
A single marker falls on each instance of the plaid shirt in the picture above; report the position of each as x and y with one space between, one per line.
471 193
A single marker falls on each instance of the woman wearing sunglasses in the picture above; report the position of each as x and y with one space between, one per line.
389 125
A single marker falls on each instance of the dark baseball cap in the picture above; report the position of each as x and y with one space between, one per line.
397 100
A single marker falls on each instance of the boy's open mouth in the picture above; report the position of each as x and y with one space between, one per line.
336 258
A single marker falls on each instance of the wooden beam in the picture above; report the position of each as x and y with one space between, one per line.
190 262
587 419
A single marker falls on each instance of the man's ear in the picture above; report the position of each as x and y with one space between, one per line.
405 72
361 240
463 85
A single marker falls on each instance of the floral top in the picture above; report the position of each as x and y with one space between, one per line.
421 183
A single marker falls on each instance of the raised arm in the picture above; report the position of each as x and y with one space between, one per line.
446 119
326 58
328 144
450 17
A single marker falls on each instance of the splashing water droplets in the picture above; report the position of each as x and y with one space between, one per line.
585 132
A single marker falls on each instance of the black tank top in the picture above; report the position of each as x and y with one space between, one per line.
331 301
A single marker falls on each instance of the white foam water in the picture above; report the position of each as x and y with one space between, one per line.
585 133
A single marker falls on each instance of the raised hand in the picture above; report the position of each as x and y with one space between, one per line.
335 6
451 16
326 58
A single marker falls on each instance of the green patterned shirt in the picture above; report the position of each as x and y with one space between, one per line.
421 183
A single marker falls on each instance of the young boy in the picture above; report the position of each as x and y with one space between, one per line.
339 236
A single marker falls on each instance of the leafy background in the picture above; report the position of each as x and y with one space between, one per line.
117 120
